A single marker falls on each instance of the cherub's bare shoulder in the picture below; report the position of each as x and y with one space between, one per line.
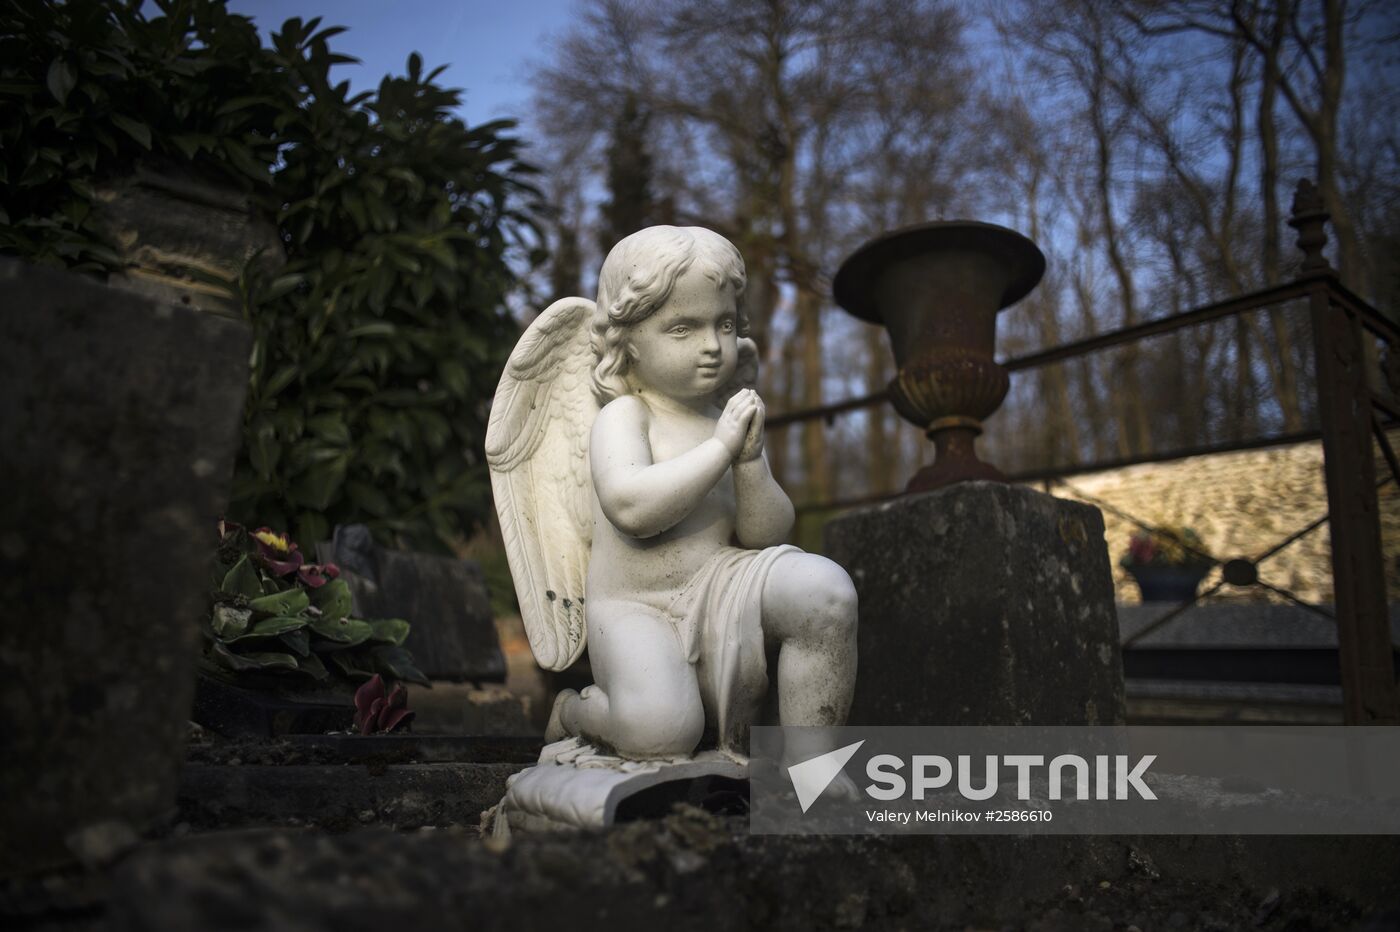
623 411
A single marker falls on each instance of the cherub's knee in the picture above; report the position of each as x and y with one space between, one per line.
830 602
650 725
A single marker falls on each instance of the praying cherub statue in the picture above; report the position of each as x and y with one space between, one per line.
640 517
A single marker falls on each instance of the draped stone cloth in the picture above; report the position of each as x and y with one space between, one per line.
718 619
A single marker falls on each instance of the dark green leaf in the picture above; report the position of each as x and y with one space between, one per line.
263 450
280 624
330 427
391 630
310 663
61 80
376 329
369 498
280 380
282 285
289 602
299 641
353 664
232 661
244 161
242 103
243 580
186 143
397 663
312 528
138 131
345 631
271 660
333 599
318 486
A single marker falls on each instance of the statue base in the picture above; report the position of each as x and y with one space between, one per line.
576 786
982 604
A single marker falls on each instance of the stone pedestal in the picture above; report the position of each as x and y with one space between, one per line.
574 786
982 604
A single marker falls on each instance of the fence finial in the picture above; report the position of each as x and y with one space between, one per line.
1309 219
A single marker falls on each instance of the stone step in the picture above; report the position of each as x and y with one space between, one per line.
340 796
398 748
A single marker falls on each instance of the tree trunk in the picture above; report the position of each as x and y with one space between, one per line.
815 463
1134 431
1088 388
880 451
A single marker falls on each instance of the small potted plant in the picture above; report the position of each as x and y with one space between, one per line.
281 626
1168 563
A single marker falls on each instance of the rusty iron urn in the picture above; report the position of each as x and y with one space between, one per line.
937 288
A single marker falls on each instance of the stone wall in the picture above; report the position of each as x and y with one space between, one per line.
1241 504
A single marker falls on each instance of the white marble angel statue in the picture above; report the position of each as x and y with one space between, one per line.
626 456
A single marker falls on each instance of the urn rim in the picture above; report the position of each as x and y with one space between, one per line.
852 285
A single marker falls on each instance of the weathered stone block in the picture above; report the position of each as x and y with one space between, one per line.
118 428
179 234
982 603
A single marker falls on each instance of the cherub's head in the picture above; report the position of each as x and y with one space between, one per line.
639 276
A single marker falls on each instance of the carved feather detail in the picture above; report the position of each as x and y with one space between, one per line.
537 448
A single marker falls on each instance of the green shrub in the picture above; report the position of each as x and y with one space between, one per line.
378 346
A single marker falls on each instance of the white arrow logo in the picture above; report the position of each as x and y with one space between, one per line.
811 777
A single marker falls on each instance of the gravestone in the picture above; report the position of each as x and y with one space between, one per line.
982 604
443 598
119 422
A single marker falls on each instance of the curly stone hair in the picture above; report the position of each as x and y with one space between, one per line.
637 278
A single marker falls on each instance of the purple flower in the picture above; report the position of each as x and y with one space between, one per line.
277 551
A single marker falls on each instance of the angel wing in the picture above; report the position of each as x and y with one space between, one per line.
537 448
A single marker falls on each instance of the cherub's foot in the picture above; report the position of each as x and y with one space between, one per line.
555 730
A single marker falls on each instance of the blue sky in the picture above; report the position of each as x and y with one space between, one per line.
487 45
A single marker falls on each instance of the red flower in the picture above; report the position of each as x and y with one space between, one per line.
375 712
1142 548
314 575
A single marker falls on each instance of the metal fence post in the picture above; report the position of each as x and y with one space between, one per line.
1370 696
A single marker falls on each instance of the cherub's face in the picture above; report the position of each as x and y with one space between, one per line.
689 346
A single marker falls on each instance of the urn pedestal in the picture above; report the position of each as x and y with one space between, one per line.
982 604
